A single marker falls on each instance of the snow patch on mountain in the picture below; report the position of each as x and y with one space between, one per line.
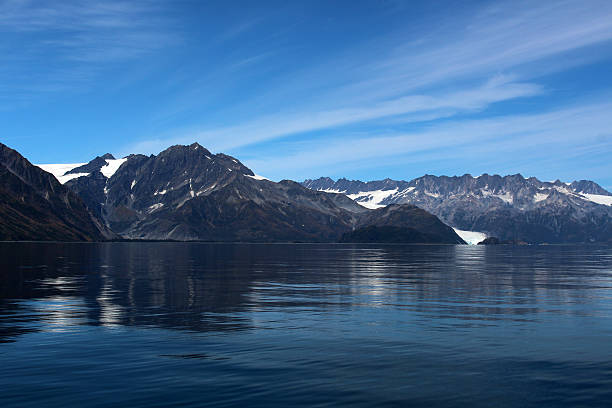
155 207
406 191
372 199
506 197
539 197
68 177
60 170
564 190
369 199
599 199
112 166
331 190
256 177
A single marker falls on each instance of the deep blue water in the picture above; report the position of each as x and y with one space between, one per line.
239 325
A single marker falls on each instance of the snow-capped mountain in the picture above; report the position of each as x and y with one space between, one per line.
188 193
34 206
106 164
510 207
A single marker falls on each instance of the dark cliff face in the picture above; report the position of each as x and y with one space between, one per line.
188 193
35 206
510 207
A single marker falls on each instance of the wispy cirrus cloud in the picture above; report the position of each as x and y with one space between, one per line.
427 72
523 37
496 144
76 39
263 129
291 87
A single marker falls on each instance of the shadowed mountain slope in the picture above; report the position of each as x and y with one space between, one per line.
188 193
35 206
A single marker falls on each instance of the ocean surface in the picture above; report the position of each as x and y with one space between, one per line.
248 325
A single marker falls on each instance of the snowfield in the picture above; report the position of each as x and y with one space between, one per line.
372 199
111 167
58 170
599 199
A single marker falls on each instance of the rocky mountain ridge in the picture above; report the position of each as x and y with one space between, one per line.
510 207
188 193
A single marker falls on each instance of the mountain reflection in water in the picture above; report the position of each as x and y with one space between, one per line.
391 324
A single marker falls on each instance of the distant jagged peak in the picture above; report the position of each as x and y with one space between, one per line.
496 190
326 179
105 164
578 185
589 187
581 186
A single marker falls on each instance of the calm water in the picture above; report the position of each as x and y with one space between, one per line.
159 324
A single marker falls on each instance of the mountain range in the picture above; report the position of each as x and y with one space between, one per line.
510 208
187 193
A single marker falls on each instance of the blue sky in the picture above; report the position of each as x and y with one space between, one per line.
360 89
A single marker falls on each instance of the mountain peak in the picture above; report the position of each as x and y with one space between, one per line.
94 165
186 148
510 207
589 187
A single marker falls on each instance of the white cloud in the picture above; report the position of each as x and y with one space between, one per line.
505 37
537 136
283 125
420 76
